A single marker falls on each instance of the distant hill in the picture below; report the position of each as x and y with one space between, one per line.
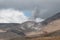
50 19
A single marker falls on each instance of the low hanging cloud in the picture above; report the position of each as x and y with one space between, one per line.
12 16
15 16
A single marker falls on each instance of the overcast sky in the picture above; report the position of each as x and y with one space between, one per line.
46 8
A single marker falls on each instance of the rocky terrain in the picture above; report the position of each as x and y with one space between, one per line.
12 30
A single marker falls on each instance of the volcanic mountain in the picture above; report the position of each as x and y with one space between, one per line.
49 27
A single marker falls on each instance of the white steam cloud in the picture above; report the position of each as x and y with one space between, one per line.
12 16
39 20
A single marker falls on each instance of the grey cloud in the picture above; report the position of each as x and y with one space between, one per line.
47 8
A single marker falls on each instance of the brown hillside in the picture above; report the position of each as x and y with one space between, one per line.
52 26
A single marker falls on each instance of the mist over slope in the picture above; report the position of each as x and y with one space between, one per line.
50 25
53 24
50 31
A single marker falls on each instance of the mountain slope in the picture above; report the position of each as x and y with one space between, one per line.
50 19
50 25
53 24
